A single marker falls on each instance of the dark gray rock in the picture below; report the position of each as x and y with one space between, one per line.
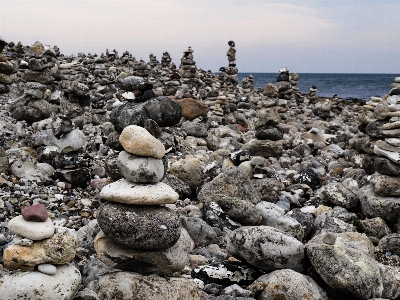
139 227
200 232
178 185
268 188
42 77
27 113
194 129
269 132
163 110
35 89
385 167
391 243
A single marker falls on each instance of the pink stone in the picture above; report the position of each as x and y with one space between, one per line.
35 213
98 183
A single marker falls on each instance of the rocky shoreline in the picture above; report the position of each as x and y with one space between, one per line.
121 179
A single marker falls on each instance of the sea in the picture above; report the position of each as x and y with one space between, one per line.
359 86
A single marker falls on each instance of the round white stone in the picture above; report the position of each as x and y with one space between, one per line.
35 231
47 269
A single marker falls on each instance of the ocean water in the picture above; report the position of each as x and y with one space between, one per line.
360 86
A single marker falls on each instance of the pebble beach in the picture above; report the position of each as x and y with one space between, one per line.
126 179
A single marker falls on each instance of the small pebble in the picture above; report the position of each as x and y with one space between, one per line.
47 269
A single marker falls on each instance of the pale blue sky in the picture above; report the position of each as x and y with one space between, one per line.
353 36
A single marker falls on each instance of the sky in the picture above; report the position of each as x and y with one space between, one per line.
309 36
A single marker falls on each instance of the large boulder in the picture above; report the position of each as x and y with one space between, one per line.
163 110
127 285
39 286
193 108
372 205
266 248
346 262
163 262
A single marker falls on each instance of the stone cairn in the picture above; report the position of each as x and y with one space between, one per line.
231 77
381 123
188 69
6 69
41 245
138 232
34 105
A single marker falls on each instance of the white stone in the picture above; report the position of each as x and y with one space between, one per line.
39 286
47 269
128 95
32 230
123 191
308 209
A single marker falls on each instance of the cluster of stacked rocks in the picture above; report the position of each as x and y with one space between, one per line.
188 69
6 68
139 233
35 104
268 184
39 244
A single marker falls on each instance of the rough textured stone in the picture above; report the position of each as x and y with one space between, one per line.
162 262
234 193
268 188
337 194
194 129
264 148
39 286
124 191
58 249
388 208
385 167
137 140
139 227
189 170
386 185
126 285
273 216
266 248
140 169
351 256
287 284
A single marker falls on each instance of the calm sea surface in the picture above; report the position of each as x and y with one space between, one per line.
361 86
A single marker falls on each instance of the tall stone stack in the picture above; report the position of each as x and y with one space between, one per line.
381 122
231 77
139 233
39 245
34 104
140 69
165 60
6 69
188 69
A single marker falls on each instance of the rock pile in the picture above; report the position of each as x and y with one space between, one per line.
253 194
138 234
39 244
